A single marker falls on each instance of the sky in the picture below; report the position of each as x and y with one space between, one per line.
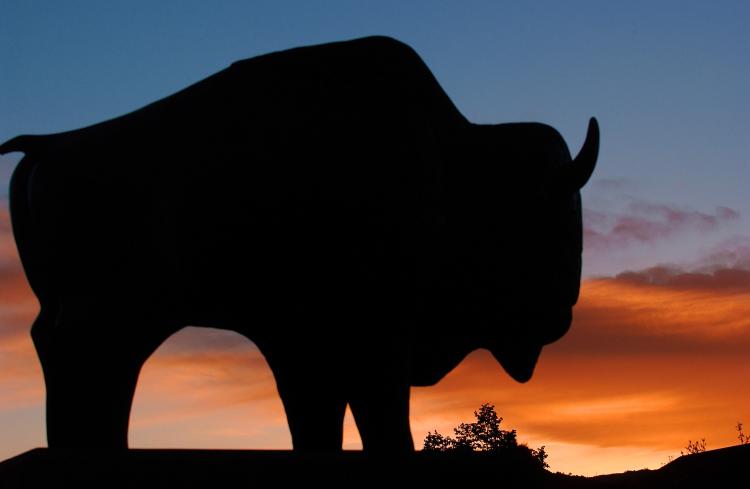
657 354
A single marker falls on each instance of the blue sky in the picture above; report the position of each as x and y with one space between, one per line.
667 80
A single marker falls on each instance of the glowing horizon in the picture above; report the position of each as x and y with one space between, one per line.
631 402
657 354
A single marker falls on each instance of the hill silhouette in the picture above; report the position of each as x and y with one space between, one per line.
143 469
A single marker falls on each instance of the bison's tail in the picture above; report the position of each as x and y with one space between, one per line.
30 248
24 144
34 254
25 232
32 251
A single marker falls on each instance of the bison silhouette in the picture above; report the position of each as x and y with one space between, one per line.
328 202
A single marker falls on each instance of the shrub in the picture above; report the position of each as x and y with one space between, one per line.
485 435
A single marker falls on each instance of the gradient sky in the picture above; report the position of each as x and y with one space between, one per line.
658 351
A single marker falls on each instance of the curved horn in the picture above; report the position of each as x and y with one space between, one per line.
574 176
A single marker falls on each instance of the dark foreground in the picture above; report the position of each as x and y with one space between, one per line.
728 467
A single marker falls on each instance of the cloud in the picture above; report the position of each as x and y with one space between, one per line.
668 276
617 184
662 310
647 365
733 252
222 395
197 340
18 305
20 374
243 374
654 357
650 403
648 223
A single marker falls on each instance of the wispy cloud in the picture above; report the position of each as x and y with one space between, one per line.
733 252
663 310
655 356
673 277
648 223
647 365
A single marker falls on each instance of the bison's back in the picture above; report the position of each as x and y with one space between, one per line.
330 91
307 172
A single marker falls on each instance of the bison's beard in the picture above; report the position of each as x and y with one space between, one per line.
518 351
518 360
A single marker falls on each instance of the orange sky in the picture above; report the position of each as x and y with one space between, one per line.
654 358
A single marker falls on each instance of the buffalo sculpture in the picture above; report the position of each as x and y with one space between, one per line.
328 202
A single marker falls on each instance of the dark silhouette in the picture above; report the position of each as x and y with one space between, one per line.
485 436
328 202
741 436
693 447
143 469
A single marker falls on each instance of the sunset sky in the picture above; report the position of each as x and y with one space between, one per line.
659 351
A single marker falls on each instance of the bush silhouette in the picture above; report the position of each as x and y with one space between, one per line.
485 435
694 447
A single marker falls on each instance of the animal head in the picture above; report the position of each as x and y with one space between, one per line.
519 236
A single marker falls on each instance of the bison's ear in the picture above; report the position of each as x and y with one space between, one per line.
572 177
518 360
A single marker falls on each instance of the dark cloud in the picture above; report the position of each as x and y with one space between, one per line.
648 223
721 279
680 218
729 253
723 268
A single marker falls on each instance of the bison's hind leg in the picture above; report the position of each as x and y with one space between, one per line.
381 411
314 402
91 365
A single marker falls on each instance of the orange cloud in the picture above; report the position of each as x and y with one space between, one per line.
655 312
220 397
241 374
21 384
653 358
646 366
